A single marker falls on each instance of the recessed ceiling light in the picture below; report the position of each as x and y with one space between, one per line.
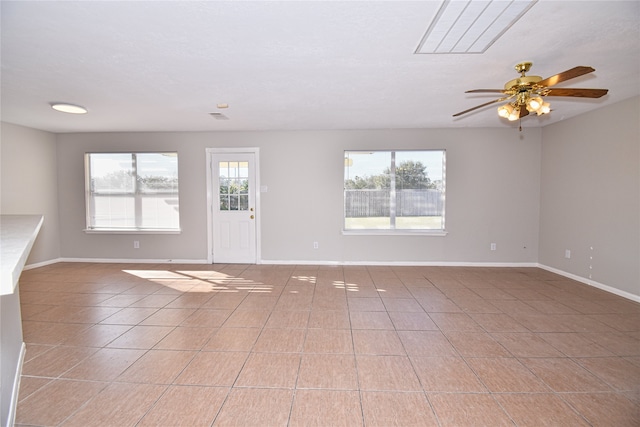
223 105
467 26
68 108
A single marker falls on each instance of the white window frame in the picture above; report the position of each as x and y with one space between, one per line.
138 228
396 231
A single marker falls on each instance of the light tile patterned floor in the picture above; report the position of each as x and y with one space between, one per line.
237 345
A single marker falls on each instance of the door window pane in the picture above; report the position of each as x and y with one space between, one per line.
234 185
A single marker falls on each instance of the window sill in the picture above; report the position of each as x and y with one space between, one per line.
131 231
371 232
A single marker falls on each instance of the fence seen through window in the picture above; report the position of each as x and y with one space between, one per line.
394 190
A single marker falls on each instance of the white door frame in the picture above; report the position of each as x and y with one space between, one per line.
210 193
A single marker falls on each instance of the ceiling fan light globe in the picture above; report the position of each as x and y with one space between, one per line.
515 115
545 108
534 103
505 111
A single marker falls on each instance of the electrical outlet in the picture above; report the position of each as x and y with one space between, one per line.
315 245
493 246
136 244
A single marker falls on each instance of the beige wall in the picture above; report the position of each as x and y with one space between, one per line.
590 199
29 184
493 187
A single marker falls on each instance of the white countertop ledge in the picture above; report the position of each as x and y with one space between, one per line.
17 235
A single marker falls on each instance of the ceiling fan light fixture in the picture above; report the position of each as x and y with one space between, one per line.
505 111
545 108
515 115
534 104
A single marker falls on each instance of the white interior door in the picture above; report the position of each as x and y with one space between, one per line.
233 207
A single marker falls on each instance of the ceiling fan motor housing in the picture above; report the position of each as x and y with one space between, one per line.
522 83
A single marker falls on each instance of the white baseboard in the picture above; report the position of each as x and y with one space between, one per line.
593 283
291 262
119 261
11 417
42 264
402 263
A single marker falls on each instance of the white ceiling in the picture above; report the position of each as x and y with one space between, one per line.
164 66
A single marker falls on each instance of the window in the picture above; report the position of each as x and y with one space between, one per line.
394 191
234 186
132 191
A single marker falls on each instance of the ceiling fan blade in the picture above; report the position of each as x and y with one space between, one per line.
482 105
523 111
580 93
566 75
486 91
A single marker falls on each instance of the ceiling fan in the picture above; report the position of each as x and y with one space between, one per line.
527 92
